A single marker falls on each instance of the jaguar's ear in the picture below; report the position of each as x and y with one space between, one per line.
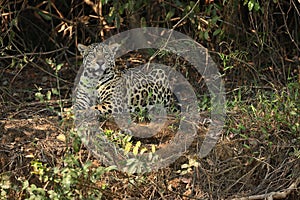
82 48
114 47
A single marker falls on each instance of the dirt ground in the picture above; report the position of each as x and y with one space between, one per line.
31 129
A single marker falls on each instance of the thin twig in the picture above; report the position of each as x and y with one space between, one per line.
273 195
34 54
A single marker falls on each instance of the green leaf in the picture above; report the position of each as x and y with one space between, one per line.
48 95
143 150
76 144
25 184
170 14
39 96
58 67
250 5
246 146
143 22
136 148
214 20
217 32
256 7
206 36
104 2
54 91
128 147
45 16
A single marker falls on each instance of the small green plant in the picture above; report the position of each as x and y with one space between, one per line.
125 142
252 5
53 93
228 60
212 25
268 111
187 168
296 152
204 103
134 152
66 181
5 185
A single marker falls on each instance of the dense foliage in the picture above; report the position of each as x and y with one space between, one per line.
256 45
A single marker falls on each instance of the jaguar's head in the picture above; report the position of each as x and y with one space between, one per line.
98 55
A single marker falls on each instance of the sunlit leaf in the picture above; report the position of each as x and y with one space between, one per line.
136 148
48 95
250 5
58 67
153 149
45 16
61 137
128 147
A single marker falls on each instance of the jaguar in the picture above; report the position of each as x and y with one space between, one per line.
117 91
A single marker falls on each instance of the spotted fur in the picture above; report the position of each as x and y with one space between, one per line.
116 92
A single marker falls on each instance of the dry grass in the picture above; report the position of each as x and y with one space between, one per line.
259 152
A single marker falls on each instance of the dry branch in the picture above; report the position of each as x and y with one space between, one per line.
273 195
